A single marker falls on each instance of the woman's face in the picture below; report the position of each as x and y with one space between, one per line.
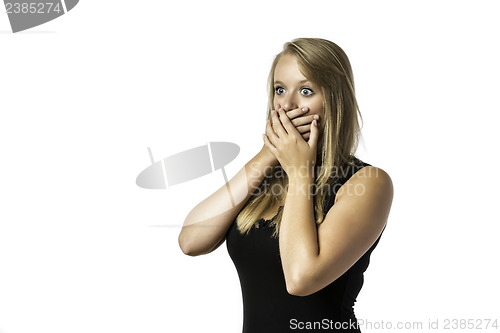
293 90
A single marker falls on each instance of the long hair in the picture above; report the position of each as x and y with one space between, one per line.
325 64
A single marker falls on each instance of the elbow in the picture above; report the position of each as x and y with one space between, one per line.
185 247
186 251
292 290
303 283
191 247
296 290
189 252
297 287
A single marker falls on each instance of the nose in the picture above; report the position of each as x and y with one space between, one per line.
289 102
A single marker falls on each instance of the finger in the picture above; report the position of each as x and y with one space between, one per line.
294 113
304 129
313 139
276 108
270 133
277 126
304 120
269 145
287 124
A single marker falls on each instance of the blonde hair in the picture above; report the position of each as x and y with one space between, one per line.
325 64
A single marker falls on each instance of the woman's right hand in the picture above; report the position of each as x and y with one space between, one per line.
302 123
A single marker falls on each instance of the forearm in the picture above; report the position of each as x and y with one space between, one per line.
208 222
298 236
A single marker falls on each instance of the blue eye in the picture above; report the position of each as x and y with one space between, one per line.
279 90
306 91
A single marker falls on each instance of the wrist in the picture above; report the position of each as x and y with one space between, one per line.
266 157
300 184
302 173
298 178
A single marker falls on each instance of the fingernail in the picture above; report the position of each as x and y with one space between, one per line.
316 116
305 109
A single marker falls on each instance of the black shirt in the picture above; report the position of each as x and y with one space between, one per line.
268 307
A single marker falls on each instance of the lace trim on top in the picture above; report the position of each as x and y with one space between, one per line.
262 223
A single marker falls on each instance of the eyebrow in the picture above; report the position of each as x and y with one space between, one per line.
301 82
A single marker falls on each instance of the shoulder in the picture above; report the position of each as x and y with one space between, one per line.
353 224
361 208
369 181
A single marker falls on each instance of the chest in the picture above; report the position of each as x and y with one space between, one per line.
270 212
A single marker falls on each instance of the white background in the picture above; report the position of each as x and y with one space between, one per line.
83 249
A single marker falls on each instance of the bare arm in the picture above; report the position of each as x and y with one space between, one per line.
207 223
315 256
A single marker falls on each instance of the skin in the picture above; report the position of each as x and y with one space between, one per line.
291 92
206 225
301 101
314 256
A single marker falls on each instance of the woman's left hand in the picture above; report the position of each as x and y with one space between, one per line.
295 155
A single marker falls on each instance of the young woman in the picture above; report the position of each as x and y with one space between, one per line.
302 217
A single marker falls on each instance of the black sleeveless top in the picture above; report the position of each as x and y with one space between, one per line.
268 307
